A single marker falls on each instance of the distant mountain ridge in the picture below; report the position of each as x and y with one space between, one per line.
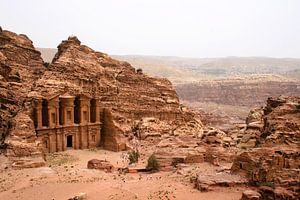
195 69
180 69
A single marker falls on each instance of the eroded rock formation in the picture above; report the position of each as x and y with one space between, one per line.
251 195
276 123
20 67
40 100
272 135
100 165
124 94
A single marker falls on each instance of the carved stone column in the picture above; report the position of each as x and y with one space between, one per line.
39 114
53 112
84 110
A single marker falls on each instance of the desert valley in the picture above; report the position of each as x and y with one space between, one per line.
76 123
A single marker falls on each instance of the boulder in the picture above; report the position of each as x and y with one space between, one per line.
282 193
205 181
100 165
79 196
203 186
250 195
30 162
279 193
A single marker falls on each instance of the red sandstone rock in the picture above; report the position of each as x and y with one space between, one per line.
124 96
203 182
171 151
80 196
278 193
20 66
250 195
274 131
282 122
268 165
28 162
100 164
277 123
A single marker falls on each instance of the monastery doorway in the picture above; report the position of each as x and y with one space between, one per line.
69 141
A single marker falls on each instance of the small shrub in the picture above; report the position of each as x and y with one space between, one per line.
17 74
3 146
13 113
139 71
46 64
153 164
133 157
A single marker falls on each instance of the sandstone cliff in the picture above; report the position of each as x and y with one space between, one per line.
126 95
21 65
272 142
249 91
275 124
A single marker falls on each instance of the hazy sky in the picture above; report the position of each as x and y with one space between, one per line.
191 28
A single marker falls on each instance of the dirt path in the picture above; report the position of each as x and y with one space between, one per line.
68 176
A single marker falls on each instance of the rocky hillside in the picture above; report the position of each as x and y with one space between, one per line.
21 66
271 141
126 95
277 123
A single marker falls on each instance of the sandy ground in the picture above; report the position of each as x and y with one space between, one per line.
67 175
